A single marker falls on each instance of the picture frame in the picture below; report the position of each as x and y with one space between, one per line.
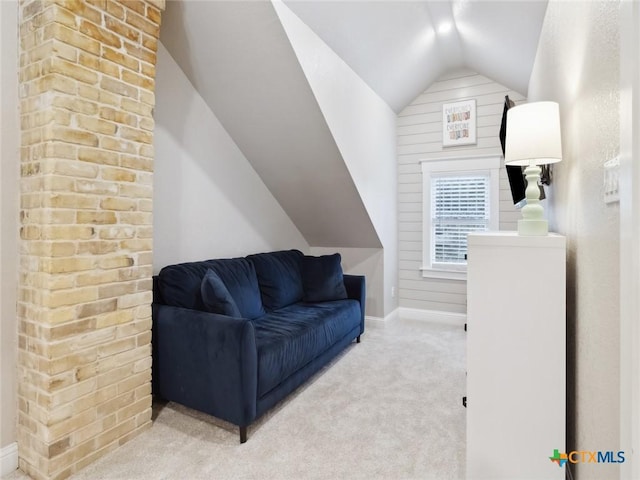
459 123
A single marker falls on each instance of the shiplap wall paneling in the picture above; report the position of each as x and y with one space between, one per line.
420 138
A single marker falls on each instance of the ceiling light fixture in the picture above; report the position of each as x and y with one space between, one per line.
444 28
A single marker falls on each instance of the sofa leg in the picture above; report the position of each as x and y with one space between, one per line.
358 339
243 434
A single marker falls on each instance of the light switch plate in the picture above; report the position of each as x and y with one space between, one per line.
611 180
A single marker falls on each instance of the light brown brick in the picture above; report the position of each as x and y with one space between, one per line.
96 247
62 200
73 70
134 299
72 37
62 249
153 14
132 383
75 104
116 10
141 23
133 409
61 331
150 43
148 70
122 29
119 204
61 298
115 347
70 362
66 264
116 289
118 174
136 218
136 163
120 58
97 277
147 97
118 145
109 68
136 107
104 37
64 16
117 232
96 155
96 308
116 261
57 183
97 94
97 217
147 124
96 187
67 232
118 116
140 53
109 375
136 135
118 87
71 135
96 125
137 80
82 9
137 244
116 318
74 169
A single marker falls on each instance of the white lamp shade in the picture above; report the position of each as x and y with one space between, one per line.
533 134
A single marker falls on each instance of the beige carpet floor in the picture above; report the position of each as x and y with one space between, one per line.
387 408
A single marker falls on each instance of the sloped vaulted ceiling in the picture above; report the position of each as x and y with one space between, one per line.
400 47
238 57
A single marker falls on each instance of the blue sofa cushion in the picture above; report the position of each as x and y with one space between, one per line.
239 276
216 296
290 338
279 277
180 285
322 278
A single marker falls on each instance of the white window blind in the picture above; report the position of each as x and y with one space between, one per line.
459 195
460 204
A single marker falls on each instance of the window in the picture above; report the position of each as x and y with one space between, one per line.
460 195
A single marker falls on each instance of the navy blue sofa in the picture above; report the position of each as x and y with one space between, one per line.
232 337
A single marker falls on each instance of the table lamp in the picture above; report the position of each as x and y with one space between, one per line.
533 138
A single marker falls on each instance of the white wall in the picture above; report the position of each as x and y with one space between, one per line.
419 136
363 127
9 191
208 200
630 236
577 65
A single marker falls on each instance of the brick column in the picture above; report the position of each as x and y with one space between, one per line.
87 72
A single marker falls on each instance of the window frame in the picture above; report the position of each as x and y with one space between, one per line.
444 166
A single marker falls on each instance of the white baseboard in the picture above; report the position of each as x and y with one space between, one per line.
8 459
450 318
379 321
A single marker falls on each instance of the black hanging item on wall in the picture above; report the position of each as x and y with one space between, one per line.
517 182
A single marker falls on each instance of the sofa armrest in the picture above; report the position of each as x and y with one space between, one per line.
206 361
356 289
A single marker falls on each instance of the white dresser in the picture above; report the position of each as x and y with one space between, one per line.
516 356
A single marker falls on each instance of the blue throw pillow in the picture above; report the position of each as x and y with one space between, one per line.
239 276
279 277
216 297
322 278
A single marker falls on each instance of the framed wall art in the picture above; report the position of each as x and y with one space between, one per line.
459 123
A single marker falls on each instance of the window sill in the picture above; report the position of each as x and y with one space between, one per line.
428 272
